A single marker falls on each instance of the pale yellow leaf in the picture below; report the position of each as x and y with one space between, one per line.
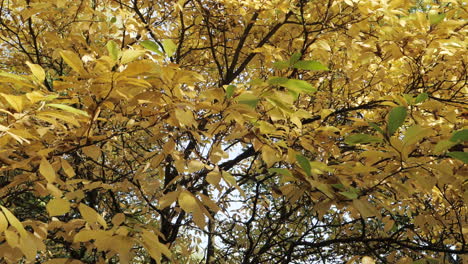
69 109
37 71
195 165
3 222
15 101
130 55
73 60
189 204
61 116
12 238
367 260
58 206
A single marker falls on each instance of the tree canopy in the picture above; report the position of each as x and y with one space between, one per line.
220 131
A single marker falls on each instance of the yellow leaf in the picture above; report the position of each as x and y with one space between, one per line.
3 222
93 152
213 177
28 247
122 245
152 241
118 219
131 55
269 155
16 101
63 261
73 61
195 165
58 206
184 117
168 199
37 71
69 109
61 116
189 204
47 170
91 216
67 168
85 235
12 238
367 260
389 225
56 192
208 202
14 221
365 209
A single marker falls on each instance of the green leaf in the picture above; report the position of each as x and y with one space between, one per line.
151 46
281 65
281 171
230 90
408 98
169 47
248 99
294 58
414 134
310 66
376 127
277 80
436 18
350 194
463 156
396 118
113 49
338 186
68 109
113 19
304 163
421 98
460 136
361 139
443 145
299 86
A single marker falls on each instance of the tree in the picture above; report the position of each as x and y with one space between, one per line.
153 131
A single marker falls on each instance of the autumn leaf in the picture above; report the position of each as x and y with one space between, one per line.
46 169
58 206
91 216
37 71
